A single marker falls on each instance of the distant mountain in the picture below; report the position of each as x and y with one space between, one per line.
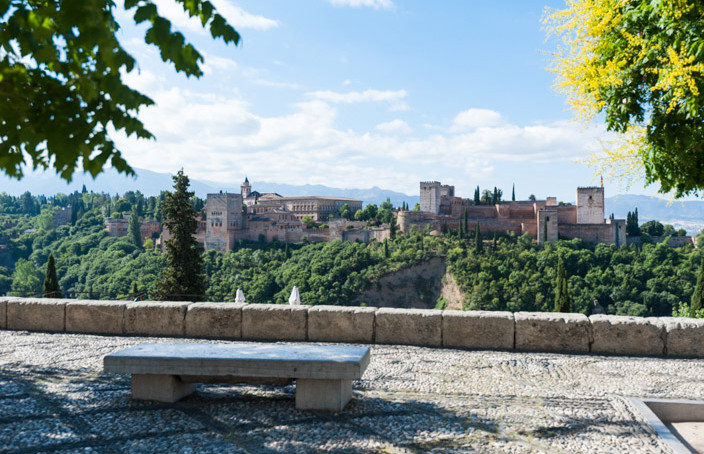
152 183
687 215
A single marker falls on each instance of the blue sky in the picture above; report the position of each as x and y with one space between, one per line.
361 93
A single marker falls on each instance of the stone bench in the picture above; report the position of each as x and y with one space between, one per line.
168 372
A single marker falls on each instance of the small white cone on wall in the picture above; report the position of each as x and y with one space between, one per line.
239 297
295 298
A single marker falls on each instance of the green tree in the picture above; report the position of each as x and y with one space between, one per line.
308 221
653 228
392 228
697 301
641 64
27 279
51 282
133 232
182 280
61 79
478 241
513 193
562 295
345 212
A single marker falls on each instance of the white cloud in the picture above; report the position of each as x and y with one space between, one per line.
359 96
393 97
475 118
376 4
275 84
236 16
394 126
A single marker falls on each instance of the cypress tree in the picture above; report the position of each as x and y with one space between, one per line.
182 280
392 228
386 248
51 282
133 230
466 218
562 296
697 301
477 196
513 193
478 245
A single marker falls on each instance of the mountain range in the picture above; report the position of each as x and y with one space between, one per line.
688 215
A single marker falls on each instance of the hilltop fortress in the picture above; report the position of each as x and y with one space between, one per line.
544 220
251 216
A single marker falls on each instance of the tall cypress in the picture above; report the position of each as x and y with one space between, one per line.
562 296
478 244
51 282
513 193
133 230
182 280
477 196
697 301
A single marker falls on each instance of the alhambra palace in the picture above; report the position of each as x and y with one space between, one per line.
253 216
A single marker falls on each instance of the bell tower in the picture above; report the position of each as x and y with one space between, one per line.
246 188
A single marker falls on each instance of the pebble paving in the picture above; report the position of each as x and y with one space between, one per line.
54 398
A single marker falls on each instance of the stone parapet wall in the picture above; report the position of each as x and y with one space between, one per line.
525 331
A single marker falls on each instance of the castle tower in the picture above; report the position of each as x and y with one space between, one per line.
246 188
430 196
590 205
547 226
223 218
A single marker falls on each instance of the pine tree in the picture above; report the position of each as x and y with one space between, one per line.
478 244
182 280
51 282
562 296
133 231
697 301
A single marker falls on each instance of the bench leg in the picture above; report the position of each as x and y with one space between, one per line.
162 388
330 395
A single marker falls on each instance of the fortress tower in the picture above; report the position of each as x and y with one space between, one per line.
590 205
223 218
433 194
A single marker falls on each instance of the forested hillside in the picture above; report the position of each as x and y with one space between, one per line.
503 272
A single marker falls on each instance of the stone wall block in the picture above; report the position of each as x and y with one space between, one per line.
409 326
685 336
341 324
104 317
478 329
552 332
3 313
624 335
156 318
40 314
274 322
214 320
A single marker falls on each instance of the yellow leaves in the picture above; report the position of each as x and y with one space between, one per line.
621 157
677 76
581 73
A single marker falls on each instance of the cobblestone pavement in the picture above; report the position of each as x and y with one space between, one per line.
55 398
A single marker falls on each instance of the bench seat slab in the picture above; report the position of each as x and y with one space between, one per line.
330 395
162 388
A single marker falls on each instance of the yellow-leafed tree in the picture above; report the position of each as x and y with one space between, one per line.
640 63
